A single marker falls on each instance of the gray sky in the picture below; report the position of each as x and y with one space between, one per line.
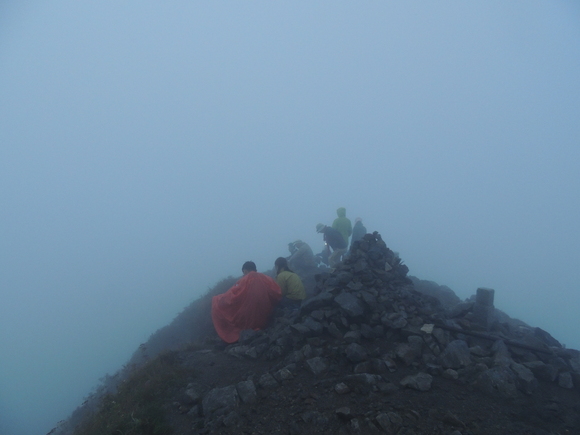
148 149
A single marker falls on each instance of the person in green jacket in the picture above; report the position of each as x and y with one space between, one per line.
292 288
342 224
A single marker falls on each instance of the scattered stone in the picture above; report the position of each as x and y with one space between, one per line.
341 388
455 355
352 337
542 371
267 381
247 391
220 401
343 413
355 352
231 419
450 374
243 351
195 392
420 381
384 421
565 380
525 379
350 304
499 381
317 365
283 375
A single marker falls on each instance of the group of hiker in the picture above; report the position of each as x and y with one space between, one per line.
336 237
250 302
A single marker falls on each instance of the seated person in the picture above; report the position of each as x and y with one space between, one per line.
302 258
247 305
292 288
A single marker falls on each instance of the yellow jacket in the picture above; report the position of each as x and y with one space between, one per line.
291 285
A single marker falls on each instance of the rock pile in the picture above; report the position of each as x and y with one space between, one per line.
365 322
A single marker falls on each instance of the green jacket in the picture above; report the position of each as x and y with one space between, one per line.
342 224
291 285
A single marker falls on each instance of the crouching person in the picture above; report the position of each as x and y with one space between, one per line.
247 305
290 283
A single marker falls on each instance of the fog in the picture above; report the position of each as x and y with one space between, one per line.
148 149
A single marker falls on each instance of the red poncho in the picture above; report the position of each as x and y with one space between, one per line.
247 305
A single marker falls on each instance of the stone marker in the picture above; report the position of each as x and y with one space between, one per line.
483 308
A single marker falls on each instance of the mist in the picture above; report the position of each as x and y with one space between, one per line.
148 149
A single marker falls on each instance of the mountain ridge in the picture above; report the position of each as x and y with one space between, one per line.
370 351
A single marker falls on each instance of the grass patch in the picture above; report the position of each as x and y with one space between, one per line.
137 408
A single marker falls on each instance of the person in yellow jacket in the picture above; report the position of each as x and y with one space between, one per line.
342 224
292 288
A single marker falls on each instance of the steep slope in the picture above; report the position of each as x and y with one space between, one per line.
367 353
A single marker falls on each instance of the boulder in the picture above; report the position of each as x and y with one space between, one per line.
420 381
455 355
220 401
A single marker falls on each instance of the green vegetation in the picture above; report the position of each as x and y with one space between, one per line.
137 406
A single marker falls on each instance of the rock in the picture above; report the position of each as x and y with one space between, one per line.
525 379
391 365
406 353
455 355
220 401
450 374
314 326
320 300
283 375
343 413
565 380
350 304
247 391
427 328
478 351
364 367
352 337
365 378
248 335
501 354
441 336
243 351
542 371
383 421
355 353
341 388
195 392
301 329
394 320
231 419
420 381
267 381
317 365
334 331
460 310
368 332
499 381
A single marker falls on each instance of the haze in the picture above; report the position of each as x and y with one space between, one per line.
148 149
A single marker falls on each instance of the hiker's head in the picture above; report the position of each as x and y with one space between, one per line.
281 264
249 266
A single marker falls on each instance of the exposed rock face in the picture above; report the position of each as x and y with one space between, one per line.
367 334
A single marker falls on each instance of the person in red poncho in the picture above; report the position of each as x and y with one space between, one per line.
247 305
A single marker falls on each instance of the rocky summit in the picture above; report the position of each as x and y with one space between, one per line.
370 351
